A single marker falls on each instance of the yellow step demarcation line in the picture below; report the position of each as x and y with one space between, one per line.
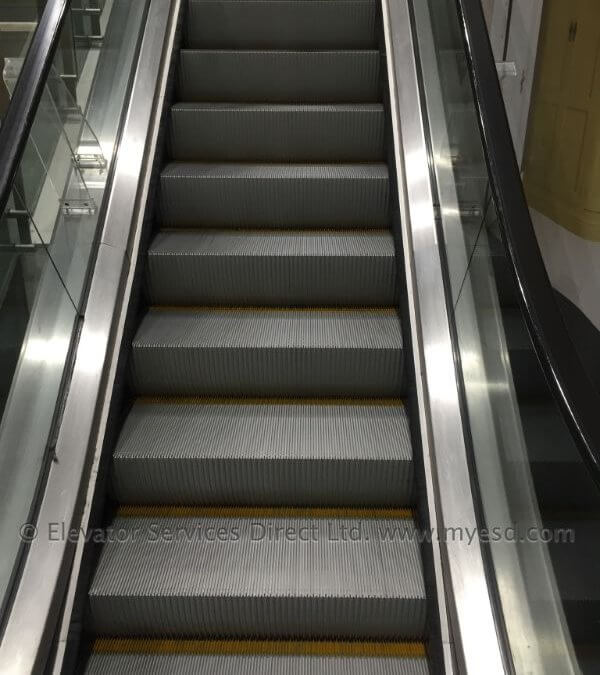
251 400
174 511
258 647
379 311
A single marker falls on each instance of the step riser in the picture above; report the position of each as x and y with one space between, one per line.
283 482
287 201
279 77
284 25
271 280
262 135
299 372
268 618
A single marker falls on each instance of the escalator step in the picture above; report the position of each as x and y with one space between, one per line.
295 24
264 352
294 452
171 575
265 267
330 76
274 195
276 132
186 657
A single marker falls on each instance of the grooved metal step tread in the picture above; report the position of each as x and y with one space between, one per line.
268 352
252 267
244 577
277 132
266 452
274 195
277 24
331 76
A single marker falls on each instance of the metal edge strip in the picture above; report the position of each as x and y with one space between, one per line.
35 611
467 615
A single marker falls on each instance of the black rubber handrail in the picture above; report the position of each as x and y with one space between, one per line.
578 399
22 109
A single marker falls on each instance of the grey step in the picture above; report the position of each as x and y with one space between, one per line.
260 352
577 568
332 76
260 577
302 453
266 267
561 479
277 132
274 195
291 24
251 664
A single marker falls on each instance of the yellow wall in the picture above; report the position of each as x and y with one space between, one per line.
562 157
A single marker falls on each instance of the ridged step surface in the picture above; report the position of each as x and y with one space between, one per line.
256 352
253 267
314 453
260 576
299 24
274 195
329 76
251 664
291 133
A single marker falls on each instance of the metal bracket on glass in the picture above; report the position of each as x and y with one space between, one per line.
89 156
470 210
89 41
79 207
18 248
506 69
86 21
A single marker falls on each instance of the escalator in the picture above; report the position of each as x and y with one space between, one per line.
313 358
263 478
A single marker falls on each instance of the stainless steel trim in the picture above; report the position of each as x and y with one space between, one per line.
466 596
526 589
35 610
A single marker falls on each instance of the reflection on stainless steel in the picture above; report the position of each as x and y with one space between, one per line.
474 634
529 603
30 411
25 641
